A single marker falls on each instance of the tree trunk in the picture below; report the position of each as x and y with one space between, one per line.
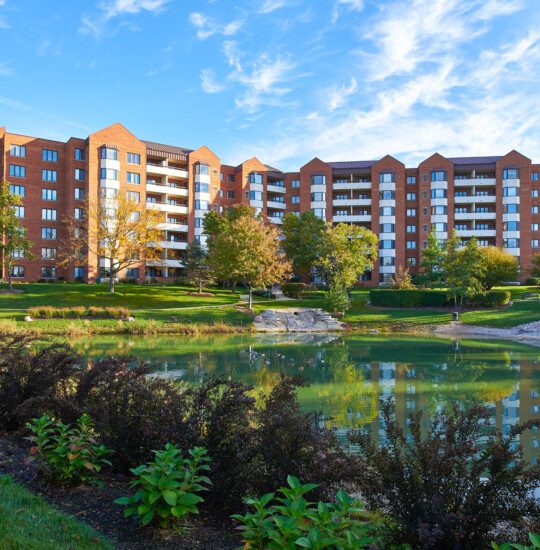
111 282
250 298
200 286
9 280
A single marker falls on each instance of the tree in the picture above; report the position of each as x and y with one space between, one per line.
14 243
499 266
302 239
432 257
463 268
245 248
347 251
401 280
197 265
535 265
116 230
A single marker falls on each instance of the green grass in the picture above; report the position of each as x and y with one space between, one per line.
27 522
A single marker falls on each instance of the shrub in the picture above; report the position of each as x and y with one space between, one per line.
167 487
533 281
390 297
76 312
117 312
442 488
533 537
401 280
70 453
337 298
33 382
492 298
293 522
295 290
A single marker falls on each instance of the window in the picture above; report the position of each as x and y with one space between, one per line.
202 205
19 211
198 222
318 197
424 211
17 271
48 253
438 175
462 227
109 153
221 194
440 227
231 194
78 272
386 244
511 208
511 243
510 174
387 260
49 175
79 193
255 195
295 184
439 210
18 254
133 177
202 169
438 193
18 190
134 158
534 176
134 196
534 209
48 214
534 243
511 226
424 227
16 171
109 174
295 199
48 233
202 187
17 150
424 178
48 272
534 227
387 195
411 196
106 193
296 213
49 155
411 229
480 226
387 228
534 193
410 261
387 211
80 174
510 191
410 245
318 179
320 213
411 179
387 177
411 212
79 155
49 194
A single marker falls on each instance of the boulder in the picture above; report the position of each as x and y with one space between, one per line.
28 319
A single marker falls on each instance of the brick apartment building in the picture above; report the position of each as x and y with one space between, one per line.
496 198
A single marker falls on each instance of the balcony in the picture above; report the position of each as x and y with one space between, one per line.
475 216
351 218
167 189
276 220
173 245
469 199
276 205
179 227
476 232
474 182
164 263
164 170
351 185
167 207
275 188
351 202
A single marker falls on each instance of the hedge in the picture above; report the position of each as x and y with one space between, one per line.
295 290
387 297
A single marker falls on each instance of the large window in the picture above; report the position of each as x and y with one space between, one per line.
80 174
134 158
134 196
511 208
79 193
410 212
318 179
202 205
319 212
19 211
16 171
440 227
48 233
387 195
17 150
109 153
49 155
48 214
255 195
318 197
48 272
387 244
49 194
202 187
510 191
295 184
18 190
411 179
49 175
410 245
438 193
109 174
510 174
133 177
387 228
511 243
438 175
511 226
387 211
48 253
79 272
387 177
17 271
79 155
202 169
295 199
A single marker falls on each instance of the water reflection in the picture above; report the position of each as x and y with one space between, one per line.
348 375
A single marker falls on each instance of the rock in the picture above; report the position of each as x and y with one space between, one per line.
130 319
28 319
296 320
374 331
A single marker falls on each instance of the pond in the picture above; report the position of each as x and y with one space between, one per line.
348 374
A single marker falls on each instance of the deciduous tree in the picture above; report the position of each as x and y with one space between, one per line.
197 265
499 266
432 259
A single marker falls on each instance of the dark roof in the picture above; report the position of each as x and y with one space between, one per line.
272 169
166 149
475 160
353 164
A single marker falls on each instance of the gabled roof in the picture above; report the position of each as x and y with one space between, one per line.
165 149
475 160
353 164
272 169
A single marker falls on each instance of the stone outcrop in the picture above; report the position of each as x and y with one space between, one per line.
296 320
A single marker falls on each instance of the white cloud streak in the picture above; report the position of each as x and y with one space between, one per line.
209 84
207 27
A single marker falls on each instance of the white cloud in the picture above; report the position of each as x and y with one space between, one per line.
351 5
120 7
208 82
269 6
207 27
337 97
6 69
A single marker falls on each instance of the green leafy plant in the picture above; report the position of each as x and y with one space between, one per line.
68 454
167 487
290 521
533 537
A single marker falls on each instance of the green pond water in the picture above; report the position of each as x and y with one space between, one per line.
348 375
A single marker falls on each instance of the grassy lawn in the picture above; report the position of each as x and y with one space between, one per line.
27 522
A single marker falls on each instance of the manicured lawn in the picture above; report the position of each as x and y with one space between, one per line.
28 522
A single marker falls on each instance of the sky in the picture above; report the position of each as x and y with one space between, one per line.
283 80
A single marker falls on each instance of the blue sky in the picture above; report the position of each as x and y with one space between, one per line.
285 80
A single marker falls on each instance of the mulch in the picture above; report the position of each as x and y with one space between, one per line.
95 506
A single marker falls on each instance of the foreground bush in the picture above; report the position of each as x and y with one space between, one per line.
295 290
443 489
534 538
77 312
290 521
167 487
386 297
68 454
